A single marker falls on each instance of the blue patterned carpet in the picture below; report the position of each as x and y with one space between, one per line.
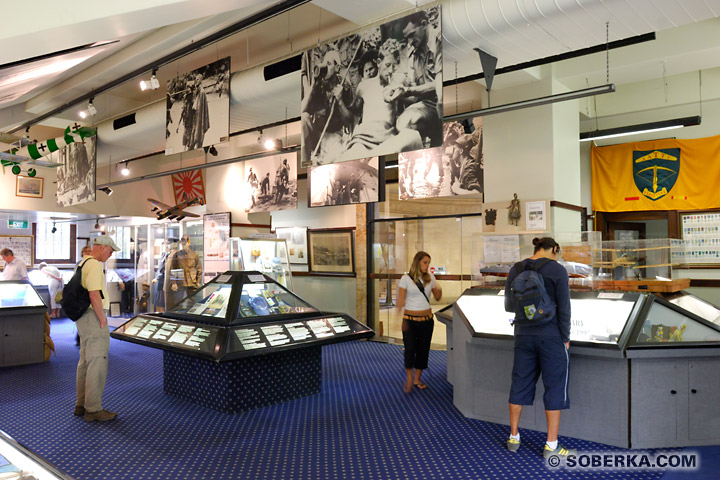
361 426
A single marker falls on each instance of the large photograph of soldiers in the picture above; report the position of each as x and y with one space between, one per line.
198 108
345 183
374 93
456 168
76 176
271 183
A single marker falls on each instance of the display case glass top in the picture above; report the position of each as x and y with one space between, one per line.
17 293
17 462
238 298
264 299
667 324
597 317
240 314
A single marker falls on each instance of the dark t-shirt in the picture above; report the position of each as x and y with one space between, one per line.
558 288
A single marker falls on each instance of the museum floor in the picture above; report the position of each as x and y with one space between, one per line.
360 426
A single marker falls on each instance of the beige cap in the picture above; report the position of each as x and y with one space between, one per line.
105 240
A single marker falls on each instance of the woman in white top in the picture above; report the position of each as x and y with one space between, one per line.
417 325
54 285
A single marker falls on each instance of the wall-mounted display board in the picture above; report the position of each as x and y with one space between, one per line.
22 247
216 244
701 235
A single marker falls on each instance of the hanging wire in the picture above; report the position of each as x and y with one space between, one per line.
700 89
665 82
607 52
457 109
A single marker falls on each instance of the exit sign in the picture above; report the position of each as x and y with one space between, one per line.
17 224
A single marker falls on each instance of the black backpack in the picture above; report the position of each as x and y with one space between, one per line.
75 298
529 298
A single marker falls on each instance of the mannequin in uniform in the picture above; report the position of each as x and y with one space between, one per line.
183 273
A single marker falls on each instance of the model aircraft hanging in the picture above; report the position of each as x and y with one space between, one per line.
16 155
177 212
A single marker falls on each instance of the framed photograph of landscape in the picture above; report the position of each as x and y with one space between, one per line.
29 186
331 251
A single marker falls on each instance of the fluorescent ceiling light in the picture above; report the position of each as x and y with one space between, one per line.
534 102
641 128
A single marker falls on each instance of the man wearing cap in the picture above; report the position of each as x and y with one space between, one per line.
94 335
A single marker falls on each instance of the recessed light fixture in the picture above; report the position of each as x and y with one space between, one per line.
641 128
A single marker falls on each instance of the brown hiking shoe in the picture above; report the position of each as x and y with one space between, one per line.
79 411
99 416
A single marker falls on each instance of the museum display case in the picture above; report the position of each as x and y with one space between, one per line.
19 463
266 255
245 341
239 314
656 354
22 323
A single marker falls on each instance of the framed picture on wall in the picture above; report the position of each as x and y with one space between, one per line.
331 251
29 186
701 239
296 239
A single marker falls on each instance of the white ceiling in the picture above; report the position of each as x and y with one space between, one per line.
515 31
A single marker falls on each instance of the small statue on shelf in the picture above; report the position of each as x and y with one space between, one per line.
676 333
514 210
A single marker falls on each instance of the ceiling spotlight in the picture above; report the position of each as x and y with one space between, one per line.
125 170
211 150
54 229
91 110
97 225
106 190
152 84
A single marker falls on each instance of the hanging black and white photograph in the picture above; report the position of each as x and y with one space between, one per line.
198 108
456 168
345 183
377 92
271 183
76 176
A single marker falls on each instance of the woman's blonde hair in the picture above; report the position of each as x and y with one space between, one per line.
415 273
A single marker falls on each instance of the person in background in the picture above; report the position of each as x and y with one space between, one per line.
542 350
413 301
94 335
54 286
14 267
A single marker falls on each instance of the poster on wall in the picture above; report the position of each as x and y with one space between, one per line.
535 215
76 176
198 108
346 183
216 245
188 185
373 93
455 168
271 183
296 240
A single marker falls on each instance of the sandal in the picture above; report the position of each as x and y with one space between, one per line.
421 385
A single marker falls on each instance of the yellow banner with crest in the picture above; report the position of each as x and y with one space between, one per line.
657 175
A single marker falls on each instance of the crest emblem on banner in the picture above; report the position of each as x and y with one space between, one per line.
656 171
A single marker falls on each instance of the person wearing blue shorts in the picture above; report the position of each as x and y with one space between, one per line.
542 350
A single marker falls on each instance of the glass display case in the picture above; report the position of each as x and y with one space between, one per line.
598 318
240 314
266 255
19 463
611 320
636 259
18 293
494 254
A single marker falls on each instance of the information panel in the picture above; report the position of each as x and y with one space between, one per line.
291 333
173 333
